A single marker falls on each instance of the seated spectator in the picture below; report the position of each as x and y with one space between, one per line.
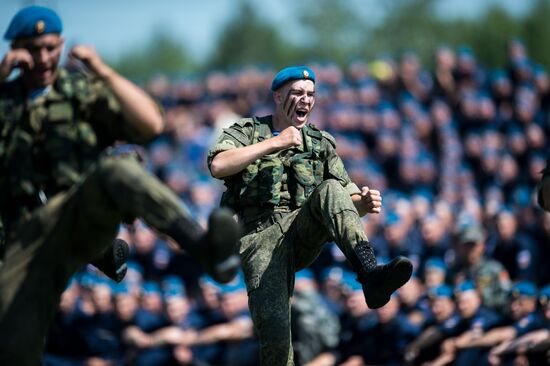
426 346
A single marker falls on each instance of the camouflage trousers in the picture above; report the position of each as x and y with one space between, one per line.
71 229
271 257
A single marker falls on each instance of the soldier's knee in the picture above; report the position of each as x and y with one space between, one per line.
330 185
117 170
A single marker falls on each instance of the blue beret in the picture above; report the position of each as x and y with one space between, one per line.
523 288
121 288
151 288
292 73
465 286
392 218
235 285
174 291
441 291
305 274
33 21
436 263
544 295
350 282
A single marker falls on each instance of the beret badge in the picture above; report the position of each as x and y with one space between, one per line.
40 27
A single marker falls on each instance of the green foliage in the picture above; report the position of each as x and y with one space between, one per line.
248 39
334 29
339 30
162 54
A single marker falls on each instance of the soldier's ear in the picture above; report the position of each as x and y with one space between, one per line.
277 97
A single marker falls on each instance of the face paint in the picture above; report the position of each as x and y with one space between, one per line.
298 101
290 104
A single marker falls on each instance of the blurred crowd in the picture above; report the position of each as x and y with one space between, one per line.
456 151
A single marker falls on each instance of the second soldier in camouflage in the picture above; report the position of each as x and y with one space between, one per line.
293 194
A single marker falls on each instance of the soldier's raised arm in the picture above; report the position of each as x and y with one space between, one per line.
138 109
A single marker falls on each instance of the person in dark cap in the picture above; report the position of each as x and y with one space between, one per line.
63 195
489 275
292 193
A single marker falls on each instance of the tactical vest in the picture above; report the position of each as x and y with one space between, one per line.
267 182
45 146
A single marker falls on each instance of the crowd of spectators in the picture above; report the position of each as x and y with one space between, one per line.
456 152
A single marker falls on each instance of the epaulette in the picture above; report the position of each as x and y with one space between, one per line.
330 138
243 122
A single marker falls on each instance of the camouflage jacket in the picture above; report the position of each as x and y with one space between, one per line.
493 282
283 180
47 143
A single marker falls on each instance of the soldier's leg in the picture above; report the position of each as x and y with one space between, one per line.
73 229
269 275
36 269
128 191
329 213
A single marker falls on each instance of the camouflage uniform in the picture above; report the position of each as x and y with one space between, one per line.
62 199
291 202
493 282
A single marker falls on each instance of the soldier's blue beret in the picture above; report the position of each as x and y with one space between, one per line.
441 291
235 285
292 73
544 295
121 289
465 286
173 291
436 263
151 288
350 283
523 288
33 21
305 274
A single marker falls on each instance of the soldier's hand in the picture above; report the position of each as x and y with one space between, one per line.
89 57
288 138
372 200
16 58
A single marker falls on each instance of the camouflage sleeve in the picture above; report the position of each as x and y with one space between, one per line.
237 135
106 115
334 166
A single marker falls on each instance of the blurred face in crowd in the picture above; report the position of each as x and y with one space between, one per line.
152 301
101 297
294 102
209 295
468 302
177 308
411 292
126 306
144 239
45 51
355 304
445 58
388 312
233 303
506 225
521 306
442 308
434 277
471 253
69 298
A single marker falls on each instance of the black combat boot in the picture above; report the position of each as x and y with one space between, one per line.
113 261
380 281
216 249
